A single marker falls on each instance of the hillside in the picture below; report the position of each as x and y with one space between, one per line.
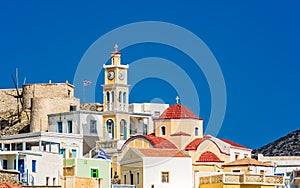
288 145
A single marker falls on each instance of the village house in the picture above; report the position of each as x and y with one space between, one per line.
152 167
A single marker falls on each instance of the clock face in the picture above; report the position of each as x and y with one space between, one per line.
111 75
121 75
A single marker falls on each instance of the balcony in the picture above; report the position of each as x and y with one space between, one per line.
109 146
253 179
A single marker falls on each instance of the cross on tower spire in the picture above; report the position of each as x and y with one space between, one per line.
177 99
116 47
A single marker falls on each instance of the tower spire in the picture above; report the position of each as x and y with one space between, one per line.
177 99
116 47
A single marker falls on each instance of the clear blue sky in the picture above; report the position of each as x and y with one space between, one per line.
256 44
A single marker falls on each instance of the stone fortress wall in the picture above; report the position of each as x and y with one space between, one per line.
48 98
41 100
7 99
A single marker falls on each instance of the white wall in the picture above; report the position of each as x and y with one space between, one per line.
147 108
179 168
283 164
81 122
241 152
47 165
257 169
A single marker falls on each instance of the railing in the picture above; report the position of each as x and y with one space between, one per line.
242 179
109 146
122 186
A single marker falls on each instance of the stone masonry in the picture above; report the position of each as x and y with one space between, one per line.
9 176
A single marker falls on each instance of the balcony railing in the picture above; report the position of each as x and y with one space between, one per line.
109 146
242 179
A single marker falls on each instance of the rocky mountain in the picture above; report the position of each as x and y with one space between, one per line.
288 145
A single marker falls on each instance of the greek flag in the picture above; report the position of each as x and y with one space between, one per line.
87 83
102 155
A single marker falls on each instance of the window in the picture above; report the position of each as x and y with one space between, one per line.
120 97
124 179
70 126
47 181
138 178
107 96
33 163
123 128
165 177
59 127
94 173
93 126
163 131
73 108
157 113
63 151
74 152
124 97
110 128
236 171
262 172
145 129
236 157
54 181
245 155
196 131
4 164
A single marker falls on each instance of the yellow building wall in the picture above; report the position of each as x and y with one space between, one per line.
221 185
134 168
136 143
207 168
243 169
177 125
203 147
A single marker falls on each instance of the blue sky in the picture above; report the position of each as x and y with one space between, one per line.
256 44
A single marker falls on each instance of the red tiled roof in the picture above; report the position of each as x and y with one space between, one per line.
247 162
154 152
193 145
178 111
8 185
159 142
156 142
234 144
180 133
208 157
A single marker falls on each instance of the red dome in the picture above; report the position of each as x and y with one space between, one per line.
208 157
177 111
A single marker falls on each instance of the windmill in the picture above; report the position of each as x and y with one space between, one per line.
19 95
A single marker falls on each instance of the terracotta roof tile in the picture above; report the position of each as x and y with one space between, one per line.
156 142
154 152
193 145
178 111
247 162
8 185
159 142
208 157
180 133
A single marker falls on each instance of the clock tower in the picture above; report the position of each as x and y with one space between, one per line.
116 118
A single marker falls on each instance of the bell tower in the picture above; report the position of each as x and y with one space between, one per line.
116 118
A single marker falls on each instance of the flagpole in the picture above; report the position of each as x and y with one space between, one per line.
83 94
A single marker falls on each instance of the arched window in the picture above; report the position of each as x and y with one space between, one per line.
196 131
120 97
162 130
124 97
123 128
107 96
110 128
